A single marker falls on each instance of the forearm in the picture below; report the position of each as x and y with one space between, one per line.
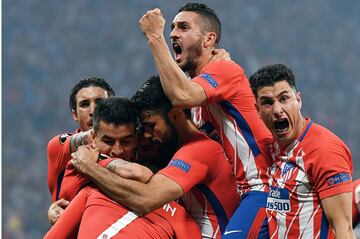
174 81
130 170
132 194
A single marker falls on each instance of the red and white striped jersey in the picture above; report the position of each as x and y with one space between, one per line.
315 166
229 117
356 202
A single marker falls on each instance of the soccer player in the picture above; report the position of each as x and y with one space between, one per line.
93 214
222 99
356 203
83 98
198 171
310 185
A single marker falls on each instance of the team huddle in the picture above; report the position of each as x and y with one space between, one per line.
215 156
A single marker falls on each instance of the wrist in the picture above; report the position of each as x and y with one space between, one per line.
89 167
154 39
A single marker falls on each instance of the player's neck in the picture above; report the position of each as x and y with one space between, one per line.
187 131
202 62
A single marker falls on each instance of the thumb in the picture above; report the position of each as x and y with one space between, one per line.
63 203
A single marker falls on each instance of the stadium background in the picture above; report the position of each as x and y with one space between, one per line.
49 45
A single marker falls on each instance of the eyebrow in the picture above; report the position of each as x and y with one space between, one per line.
268 97
178 23
83 100
282 92
122 138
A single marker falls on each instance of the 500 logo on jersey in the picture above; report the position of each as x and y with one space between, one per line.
278 199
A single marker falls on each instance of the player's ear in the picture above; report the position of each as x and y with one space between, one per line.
174 115
298 98
257 107
75 115
210 39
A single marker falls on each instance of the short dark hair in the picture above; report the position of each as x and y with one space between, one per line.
271 74
92 81
210 20
151 97
115 110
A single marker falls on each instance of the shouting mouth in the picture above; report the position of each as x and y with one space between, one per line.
281 126
177 51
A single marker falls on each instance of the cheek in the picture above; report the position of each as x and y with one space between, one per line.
293 110
266 117
84 111
104 148
158 132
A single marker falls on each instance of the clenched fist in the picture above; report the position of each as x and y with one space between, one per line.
152 24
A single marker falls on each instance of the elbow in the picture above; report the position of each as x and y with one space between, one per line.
177 103
146 206
180 99
181 103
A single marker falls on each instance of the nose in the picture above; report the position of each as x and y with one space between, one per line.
92 108
277 109
174 34
117 151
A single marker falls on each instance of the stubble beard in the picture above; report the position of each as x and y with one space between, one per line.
194 52
169 146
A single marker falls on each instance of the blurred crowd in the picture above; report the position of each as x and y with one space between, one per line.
49 45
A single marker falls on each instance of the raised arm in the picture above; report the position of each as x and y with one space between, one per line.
181 92
338 212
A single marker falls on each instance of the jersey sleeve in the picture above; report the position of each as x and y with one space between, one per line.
58 154
332 168
220 80
192 164
74 181
69 221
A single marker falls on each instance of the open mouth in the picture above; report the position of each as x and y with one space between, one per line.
90 124
177 51
281 126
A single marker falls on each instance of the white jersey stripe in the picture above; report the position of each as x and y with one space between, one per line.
238 143
118 225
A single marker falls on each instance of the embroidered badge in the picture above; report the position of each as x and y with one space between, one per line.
287 168
338 178
180 164
209 79
63 138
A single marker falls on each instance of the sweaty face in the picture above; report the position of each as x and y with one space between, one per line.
86 100
279 107
117 141
159 139
186 37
